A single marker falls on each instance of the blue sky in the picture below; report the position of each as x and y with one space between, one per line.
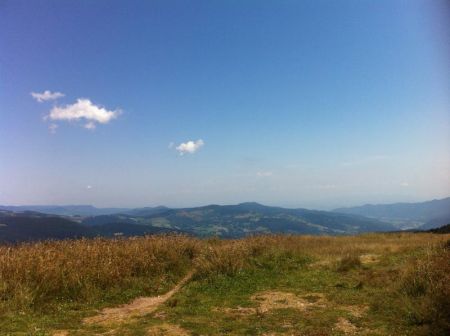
294 103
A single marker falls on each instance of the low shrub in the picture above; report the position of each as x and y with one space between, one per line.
426 286
348 262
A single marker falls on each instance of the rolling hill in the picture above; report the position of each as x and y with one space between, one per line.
233 221
33 226
423 215
83 210
65 210
228 221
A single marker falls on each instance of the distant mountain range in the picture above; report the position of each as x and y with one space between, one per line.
25 223
228 221
65 210
82 210
423 215
244 219
34 226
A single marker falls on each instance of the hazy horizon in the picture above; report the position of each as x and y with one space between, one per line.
293 104
221 204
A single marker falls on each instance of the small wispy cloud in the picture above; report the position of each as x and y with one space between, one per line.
52 128
83 109
264 173
90 125
404 184
88 187
46 95
190 146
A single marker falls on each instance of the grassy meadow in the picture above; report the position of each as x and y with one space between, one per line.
371 284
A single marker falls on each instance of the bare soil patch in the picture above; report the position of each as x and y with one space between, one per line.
356 310
369 258
60 333
167 329
279 300
139 307
345 326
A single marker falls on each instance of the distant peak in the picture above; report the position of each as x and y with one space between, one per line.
254 204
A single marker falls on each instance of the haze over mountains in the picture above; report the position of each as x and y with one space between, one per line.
26 223
423 215
35 226
65 210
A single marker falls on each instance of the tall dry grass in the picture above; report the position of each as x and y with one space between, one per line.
426 283
87 270
34 274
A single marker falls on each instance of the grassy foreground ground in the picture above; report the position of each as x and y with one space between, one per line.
374 284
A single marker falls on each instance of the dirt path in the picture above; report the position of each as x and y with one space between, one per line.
139 307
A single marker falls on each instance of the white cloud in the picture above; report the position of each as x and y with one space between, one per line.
90 125
46 95
404 184
85 110
88 187
52 128
264 173
190 146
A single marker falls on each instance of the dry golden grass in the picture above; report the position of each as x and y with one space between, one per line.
82 270
32 274
426 283
105 272
348 262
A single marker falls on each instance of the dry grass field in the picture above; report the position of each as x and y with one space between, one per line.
373 284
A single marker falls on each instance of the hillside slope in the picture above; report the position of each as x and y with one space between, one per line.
406 215
245 219
228 221
29 226
65 210
32 226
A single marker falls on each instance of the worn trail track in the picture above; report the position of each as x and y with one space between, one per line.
138 307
